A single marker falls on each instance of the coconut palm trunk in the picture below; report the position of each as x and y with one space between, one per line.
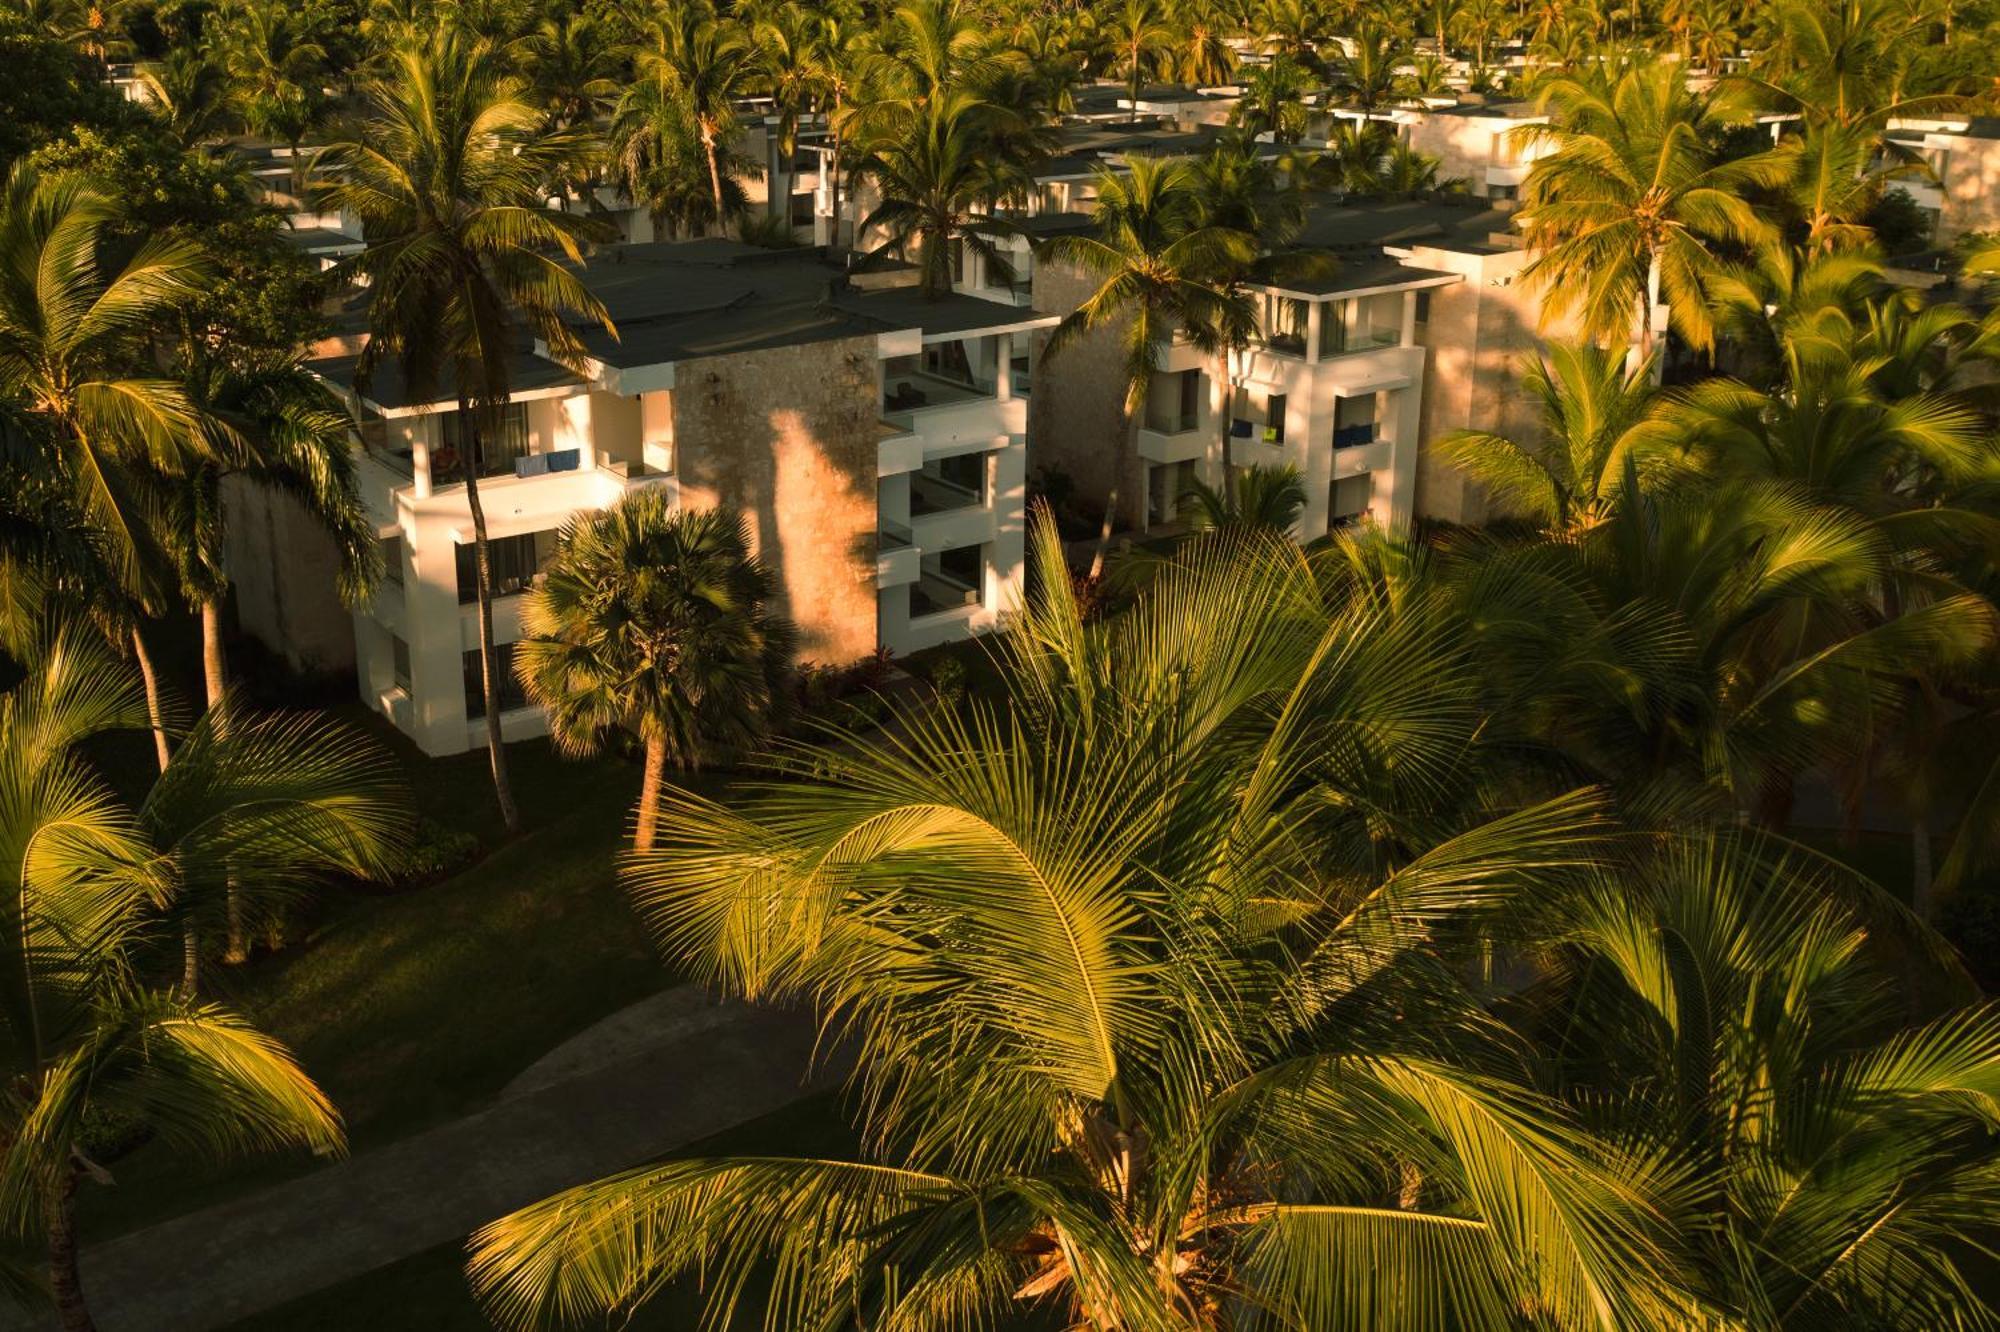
154 717
65 1275
215 682
489 672
714 174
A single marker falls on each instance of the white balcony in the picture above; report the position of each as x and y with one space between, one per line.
898 561
516 504
1179 446
900 450
945 413
1507 176
1254 451
1373 370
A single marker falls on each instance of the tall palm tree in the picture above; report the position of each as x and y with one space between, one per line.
665 163
1631 206
276 61
73 356
705 64
190 92
940 171
447 177
84 1037
1368 77
1142 33
1721 1004
1156 257
1201 55
1596 409
1153 1033
656 621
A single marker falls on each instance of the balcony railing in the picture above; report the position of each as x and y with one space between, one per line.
937 593
1354 436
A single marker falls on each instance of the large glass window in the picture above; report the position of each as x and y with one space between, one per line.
514 562
512 696
497 451
1284 322
1332 328
392 560
399 662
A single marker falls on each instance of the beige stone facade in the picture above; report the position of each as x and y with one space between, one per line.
788 435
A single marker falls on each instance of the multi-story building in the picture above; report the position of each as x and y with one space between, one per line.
874 439
1475 142
1420 329
1961 192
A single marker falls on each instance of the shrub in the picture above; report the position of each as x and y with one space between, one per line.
436 852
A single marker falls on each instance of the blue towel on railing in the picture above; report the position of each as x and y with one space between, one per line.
565 460
533 464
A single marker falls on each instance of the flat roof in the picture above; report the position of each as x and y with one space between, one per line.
527 374
1362 223
1489 110
1363 272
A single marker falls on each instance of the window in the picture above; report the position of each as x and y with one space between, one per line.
392 560
1173 402
511 694
1423 307
513 561
802 208
957 482
496 455
1332 328
1350 499
1284 324
1274 419
1353 422
950 580
399 662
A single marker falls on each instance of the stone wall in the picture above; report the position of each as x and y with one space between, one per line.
1971 188
789 436
1076 411
283 571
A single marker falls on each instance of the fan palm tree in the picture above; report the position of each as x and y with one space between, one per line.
447 177
73 357
1725 1004
655 620
1630 206
1596 409
84 1037
1153 1033
1156 258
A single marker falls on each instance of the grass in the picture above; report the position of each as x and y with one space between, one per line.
414 1007
428 1289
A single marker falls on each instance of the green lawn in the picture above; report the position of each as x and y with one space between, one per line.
413 1007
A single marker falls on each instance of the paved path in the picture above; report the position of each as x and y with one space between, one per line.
666 1072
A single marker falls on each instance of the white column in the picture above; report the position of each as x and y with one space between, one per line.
1409 334
1315 313
419 429
1003 366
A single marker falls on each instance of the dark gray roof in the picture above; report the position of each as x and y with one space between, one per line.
1983 127
1510 110
906 307
671 300
317 240
526 373
1365 223
1362 272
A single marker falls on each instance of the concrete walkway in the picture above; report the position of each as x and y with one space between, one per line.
666 1072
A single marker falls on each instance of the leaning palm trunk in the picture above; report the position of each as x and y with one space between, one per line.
489 674
65 1276
154 717
714 177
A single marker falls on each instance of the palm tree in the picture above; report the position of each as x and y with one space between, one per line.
656 621
665 164
190 93
1630 205
702 65
85 1037
939 172
1368 77
447 178
1273 100
1596 408
1719 1005
1202 56
1156 258
1142 33
1271 498
276 63
1153 1033
73 356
